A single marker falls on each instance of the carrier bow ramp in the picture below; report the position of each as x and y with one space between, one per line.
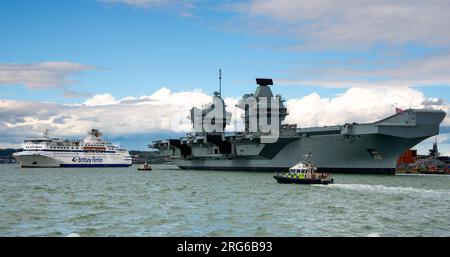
349 148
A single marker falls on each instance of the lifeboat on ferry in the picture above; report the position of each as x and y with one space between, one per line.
94 148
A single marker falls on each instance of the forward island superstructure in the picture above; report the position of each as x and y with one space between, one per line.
348 148
92 151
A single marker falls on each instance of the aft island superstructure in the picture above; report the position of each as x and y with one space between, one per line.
93 151
348 148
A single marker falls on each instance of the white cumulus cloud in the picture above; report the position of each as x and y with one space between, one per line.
102 99
167 111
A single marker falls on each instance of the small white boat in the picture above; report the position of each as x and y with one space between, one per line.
144 166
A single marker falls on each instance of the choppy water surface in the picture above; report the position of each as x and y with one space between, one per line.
172 202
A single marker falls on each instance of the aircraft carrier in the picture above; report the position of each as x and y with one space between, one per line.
348 148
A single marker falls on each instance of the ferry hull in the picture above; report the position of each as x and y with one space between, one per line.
92 151
93 165
37 161
55 160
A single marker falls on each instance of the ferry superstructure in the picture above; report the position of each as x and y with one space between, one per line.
348 148
92 151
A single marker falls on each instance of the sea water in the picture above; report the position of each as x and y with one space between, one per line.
171 202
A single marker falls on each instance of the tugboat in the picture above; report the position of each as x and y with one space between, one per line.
145 166
304 173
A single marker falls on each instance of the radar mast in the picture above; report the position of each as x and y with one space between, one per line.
220 83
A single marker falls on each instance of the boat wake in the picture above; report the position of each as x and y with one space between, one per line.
391 189
73 235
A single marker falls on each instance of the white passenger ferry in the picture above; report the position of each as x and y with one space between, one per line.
93 151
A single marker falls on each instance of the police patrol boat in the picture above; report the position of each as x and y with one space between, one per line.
304 173
92 151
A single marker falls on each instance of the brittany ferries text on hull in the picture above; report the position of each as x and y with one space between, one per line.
93 151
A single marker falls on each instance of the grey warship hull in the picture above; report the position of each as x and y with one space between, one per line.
349 148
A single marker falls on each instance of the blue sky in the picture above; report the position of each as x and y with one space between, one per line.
136 50
133 48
